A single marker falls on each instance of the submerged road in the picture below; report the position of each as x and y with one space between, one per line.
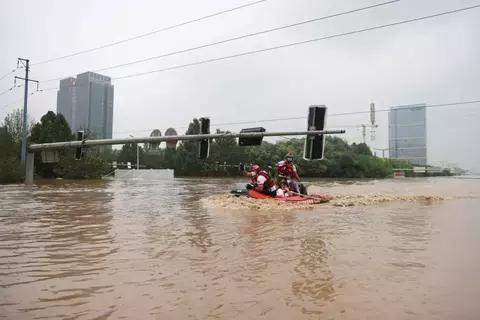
403 249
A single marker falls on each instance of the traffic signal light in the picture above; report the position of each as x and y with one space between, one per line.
204 144
79 150
315 145
249 141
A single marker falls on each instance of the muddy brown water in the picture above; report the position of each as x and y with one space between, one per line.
391 249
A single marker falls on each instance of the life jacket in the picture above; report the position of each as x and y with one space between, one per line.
285 169
269 183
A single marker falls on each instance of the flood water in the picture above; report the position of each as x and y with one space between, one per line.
392 249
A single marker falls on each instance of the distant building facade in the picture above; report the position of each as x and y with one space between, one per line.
86 102
408 133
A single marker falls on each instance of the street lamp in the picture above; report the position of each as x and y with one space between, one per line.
138 154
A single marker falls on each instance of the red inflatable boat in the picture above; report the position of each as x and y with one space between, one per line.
310 199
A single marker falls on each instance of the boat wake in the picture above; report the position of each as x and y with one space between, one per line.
231 202
375 199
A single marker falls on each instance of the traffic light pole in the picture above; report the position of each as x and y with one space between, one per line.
313 148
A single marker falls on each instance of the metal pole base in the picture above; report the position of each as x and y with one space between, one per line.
29 169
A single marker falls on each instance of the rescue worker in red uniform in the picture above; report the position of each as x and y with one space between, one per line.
287 170
262 182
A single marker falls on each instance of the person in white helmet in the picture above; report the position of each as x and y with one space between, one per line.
262 182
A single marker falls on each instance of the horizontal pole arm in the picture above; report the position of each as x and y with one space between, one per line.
30 80
198 137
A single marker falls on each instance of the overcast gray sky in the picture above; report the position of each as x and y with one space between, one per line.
432 61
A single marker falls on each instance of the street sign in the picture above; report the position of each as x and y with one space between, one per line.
49 156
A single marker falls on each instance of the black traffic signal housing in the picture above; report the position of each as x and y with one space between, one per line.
79 150
204 144
315 145
251 141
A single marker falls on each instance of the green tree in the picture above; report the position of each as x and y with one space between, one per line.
54 128
129 154
87 168
13 123
11 131
362 148
51 128
11 169
186 158
223 150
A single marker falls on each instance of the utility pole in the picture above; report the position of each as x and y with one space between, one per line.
372 120
364 132
26 64
373 126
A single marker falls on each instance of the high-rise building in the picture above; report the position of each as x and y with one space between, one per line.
408 133
86 102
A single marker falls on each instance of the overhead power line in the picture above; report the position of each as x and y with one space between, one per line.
17 86
304 118
236 38
284 46
18 100
149 33
10 89
11 104
7 74
338 35
297 43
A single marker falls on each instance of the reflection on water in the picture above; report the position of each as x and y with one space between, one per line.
315 280
412 229
146 250
64 237
198 220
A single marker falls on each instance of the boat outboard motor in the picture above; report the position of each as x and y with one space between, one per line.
250 186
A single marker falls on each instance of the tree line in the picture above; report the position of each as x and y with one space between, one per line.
342 160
